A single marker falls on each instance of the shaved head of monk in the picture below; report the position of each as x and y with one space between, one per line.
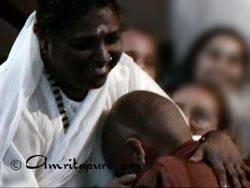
141 127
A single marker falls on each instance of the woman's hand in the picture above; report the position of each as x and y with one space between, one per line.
123 182
224 157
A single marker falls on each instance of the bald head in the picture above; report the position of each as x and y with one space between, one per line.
152 121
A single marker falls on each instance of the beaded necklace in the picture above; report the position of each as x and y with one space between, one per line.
59 101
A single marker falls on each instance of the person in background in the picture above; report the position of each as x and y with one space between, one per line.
204 106
143 49
220 56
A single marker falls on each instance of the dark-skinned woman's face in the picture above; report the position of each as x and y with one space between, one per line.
84 54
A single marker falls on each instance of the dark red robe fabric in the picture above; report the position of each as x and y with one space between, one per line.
177 171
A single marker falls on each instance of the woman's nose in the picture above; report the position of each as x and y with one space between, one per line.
101 55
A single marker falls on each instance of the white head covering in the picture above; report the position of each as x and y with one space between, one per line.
19 76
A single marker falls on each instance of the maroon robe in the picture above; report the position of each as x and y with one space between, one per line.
177 171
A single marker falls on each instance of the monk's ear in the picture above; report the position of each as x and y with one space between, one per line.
138 150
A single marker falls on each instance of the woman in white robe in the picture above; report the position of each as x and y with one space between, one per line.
32 124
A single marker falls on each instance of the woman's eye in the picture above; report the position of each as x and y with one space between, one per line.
112 39
81 47
200 116
214 54
86 44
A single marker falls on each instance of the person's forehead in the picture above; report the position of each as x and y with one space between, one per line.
138 42
102 19
226 43
195 96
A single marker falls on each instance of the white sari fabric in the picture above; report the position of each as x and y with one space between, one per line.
30 123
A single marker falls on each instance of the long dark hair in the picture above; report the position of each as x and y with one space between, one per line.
190 61
54 16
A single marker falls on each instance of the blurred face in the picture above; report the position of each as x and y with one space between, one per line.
83 56
200 107
221 63
142 49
